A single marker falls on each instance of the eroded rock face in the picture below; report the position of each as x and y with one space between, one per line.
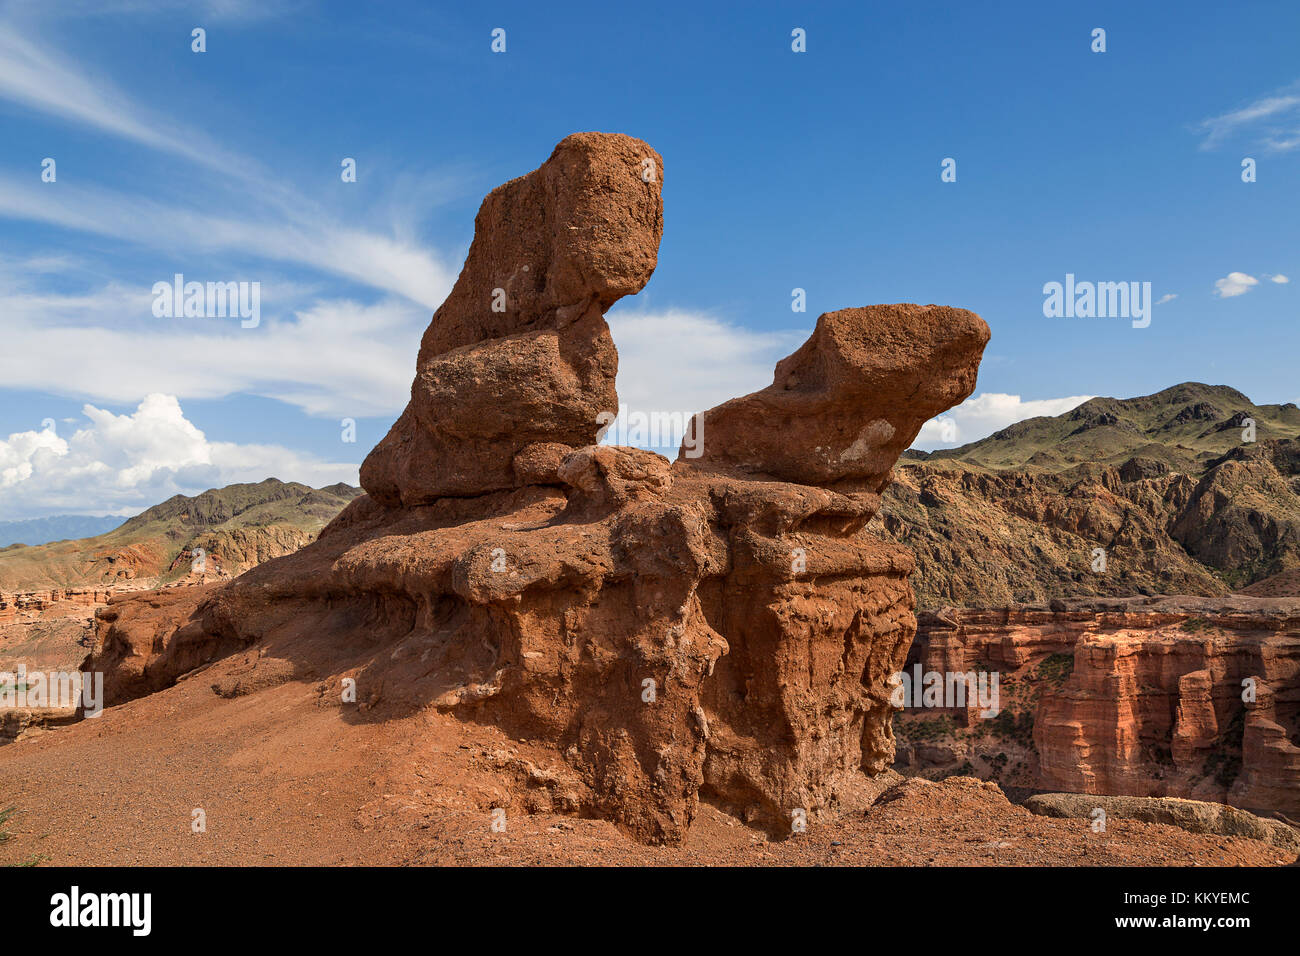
1203 705
710 628
520 352
851 399
1154 697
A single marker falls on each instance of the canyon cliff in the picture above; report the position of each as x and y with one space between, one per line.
1176 696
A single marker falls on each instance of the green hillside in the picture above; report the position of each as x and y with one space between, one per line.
1184 427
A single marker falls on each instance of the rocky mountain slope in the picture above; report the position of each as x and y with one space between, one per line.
236 527
1165 485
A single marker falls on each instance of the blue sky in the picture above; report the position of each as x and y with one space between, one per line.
817 170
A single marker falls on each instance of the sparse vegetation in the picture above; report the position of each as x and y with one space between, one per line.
1224 762
997 764
1056 669
1012 726
6 836
931 728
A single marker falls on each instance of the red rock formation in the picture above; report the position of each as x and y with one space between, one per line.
699 628
1152 701
520 352
36 604
851 399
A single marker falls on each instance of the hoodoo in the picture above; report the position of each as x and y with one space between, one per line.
720 627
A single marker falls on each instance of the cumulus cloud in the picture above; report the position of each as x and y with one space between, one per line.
1279 279
1234 283
122 464
983 414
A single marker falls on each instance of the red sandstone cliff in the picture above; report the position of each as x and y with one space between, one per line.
1142 697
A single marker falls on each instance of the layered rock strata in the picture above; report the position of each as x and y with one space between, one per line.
1175 696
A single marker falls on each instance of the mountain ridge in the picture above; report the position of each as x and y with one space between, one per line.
1165 485
1190 422
237 527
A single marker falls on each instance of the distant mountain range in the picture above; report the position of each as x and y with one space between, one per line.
1168 486
1184 428
236 527
55 528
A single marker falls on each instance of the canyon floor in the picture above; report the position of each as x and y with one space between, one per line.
285 779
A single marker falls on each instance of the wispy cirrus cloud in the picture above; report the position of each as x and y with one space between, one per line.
216 11
1271 122
380 261
326 356
40 79
238 207
345 297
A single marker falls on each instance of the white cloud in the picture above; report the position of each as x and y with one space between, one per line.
121 464
680 361
1234 283
307 239
42 80
220 11
983 414
1167 297
239 208
1279 279
1273 119
329 357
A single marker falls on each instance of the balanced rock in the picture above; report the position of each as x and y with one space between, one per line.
718 629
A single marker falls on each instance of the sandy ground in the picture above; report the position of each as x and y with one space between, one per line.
283 777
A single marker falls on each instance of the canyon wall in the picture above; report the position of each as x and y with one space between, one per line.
30 605
1174 696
